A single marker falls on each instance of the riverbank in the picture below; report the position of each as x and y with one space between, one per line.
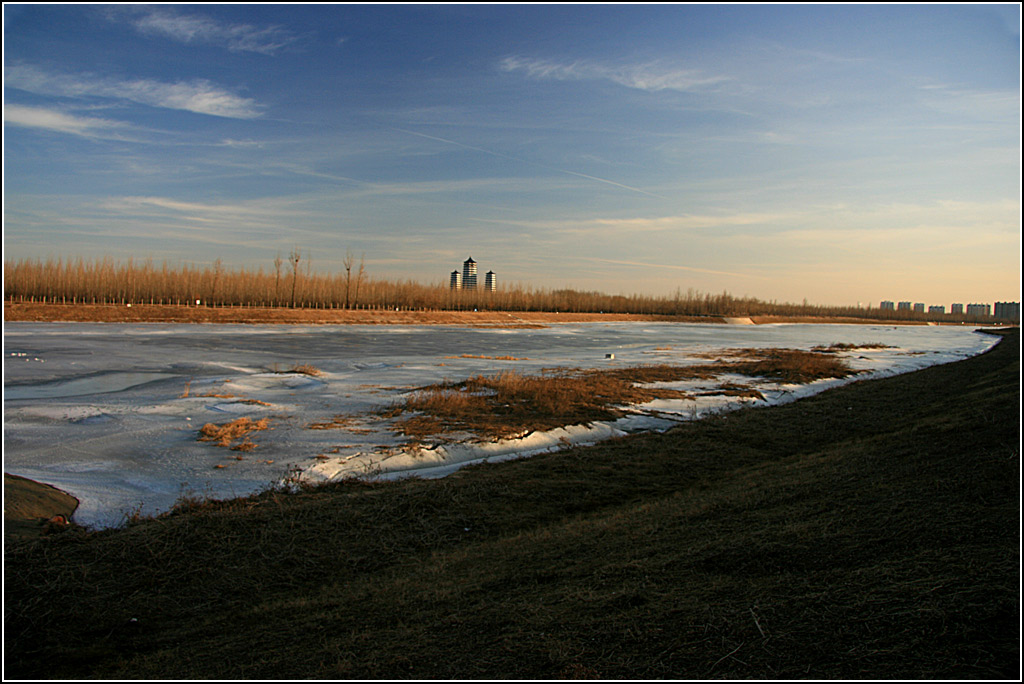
156 313
869 532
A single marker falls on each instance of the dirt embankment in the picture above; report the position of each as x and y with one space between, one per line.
29 506
156 313
162 313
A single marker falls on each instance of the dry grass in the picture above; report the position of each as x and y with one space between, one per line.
794 366
511 404
790 365
847 346
238 400
494 358
223 435
346 423
336 423
303 369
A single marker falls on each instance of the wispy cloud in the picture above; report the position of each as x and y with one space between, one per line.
49 119
231 142
194 28
640 225
650 76
524 161
671 267
172 226
693 222
1001 106
260 212
199 96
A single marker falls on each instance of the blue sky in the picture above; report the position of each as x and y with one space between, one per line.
840 154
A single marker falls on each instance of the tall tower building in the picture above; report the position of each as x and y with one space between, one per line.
456 280
469 274
490 284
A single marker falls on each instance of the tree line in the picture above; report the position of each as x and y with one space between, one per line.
292 283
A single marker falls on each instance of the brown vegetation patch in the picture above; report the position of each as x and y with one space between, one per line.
302 369
796 366
238 400
791 366
223 435
660 373
346 423
509 403
482 356
336 423
849 346
730 389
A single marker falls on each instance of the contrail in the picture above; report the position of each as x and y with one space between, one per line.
670 266
524 161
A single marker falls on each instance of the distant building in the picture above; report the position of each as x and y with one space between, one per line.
904 306
888 306
937 309
466 280
469 274
1009 311
979 310
919 307
956 308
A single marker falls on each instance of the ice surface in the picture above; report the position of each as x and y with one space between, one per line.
111 412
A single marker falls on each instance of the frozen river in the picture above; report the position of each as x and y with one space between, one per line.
111 412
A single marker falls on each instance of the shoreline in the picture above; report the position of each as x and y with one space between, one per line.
37 312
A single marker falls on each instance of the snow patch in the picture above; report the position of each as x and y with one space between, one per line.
441 459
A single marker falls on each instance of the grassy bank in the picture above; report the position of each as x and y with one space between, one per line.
868 532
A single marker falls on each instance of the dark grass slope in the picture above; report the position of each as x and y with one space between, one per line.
872 531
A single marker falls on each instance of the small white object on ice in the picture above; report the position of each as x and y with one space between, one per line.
609 356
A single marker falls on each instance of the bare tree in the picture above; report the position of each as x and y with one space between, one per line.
347 263
294 259
218 271
359 276
277 280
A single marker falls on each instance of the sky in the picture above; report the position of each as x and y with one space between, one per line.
834 154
